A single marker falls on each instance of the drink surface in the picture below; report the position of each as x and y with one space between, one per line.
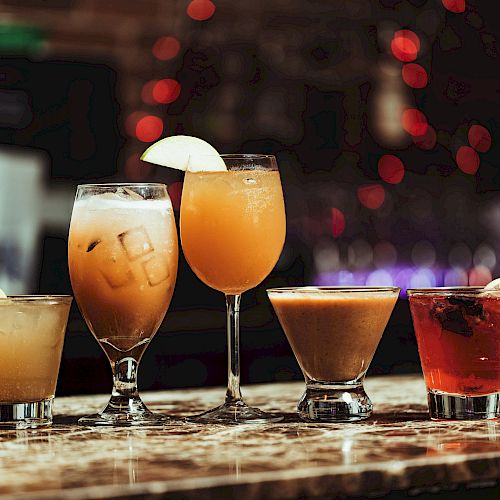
232 226
123 266
31 342
333 335
459 342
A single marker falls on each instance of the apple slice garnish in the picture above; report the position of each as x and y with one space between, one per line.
176 150
2 294
493 285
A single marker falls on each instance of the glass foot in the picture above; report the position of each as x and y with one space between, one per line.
124 412
236 412
443 406
26 415
334 403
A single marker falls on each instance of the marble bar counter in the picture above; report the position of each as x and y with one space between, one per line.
398 450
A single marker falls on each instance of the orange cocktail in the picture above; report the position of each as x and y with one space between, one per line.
232 226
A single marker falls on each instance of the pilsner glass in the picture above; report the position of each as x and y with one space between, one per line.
123 265
232 233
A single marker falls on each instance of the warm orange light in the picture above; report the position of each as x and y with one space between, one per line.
371 195
201 10
166 47
414 75
149 128
467 160
391 169
166 91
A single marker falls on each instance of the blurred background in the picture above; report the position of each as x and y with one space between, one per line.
383 115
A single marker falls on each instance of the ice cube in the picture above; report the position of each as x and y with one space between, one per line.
128 194
117 274
136 242
156 271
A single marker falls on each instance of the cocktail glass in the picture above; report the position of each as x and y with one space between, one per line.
31 340
334 332
232 233
123 266
458 337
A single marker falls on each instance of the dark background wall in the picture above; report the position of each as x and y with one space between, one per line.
315 83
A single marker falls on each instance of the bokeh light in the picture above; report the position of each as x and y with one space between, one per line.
149 128
379 277
456 6
326 258
166 47
423 254
175 193
391 169
405 45
484 255
166 91
384 254
132 120
467 160
360 254
338 222
414 75
479 138
422 278
460 256
371 196
147 92
201 10
456 277
136 170
426 141
414 122
479 276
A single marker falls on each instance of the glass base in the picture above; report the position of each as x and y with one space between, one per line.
124 412
443 406
26 415
236 412
334 402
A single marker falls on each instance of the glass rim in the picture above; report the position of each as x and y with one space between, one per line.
333 289
452 290
122 184
248 156
37 298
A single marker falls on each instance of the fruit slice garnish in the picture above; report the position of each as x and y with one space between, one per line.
176 150
493 285
2 294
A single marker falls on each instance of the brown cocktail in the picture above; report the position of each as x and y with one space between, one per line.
334 333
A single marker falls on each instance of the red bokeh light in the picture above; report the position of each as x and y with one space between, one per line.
405 45
175 193
456 6
414 122
137 170
338 222
200 10
149 128
480 276
131 121
371 196
414 75
166 91
480 138
166 47
467 160
426 141
391 169
147 92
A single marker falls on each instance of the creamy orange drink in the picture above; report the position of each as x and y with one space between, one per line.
31 340
123 265
232 226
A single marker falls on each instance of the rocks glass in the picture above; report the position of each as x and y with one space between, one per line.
458 336
334 332
31 340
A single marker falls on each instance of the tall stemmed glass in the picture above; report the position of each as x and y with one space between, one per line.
123 264
232 233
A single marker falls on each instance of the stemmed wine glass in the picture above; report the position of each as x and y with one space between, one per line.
123 265
232 233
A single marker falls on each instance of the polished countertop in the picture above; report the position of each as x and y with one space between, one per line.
397 449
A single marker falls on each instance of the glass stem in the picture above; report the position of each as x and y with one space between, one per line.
233 393
125 382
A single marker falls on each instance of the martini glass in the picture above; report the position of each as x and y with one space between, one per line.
232 233
123 265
